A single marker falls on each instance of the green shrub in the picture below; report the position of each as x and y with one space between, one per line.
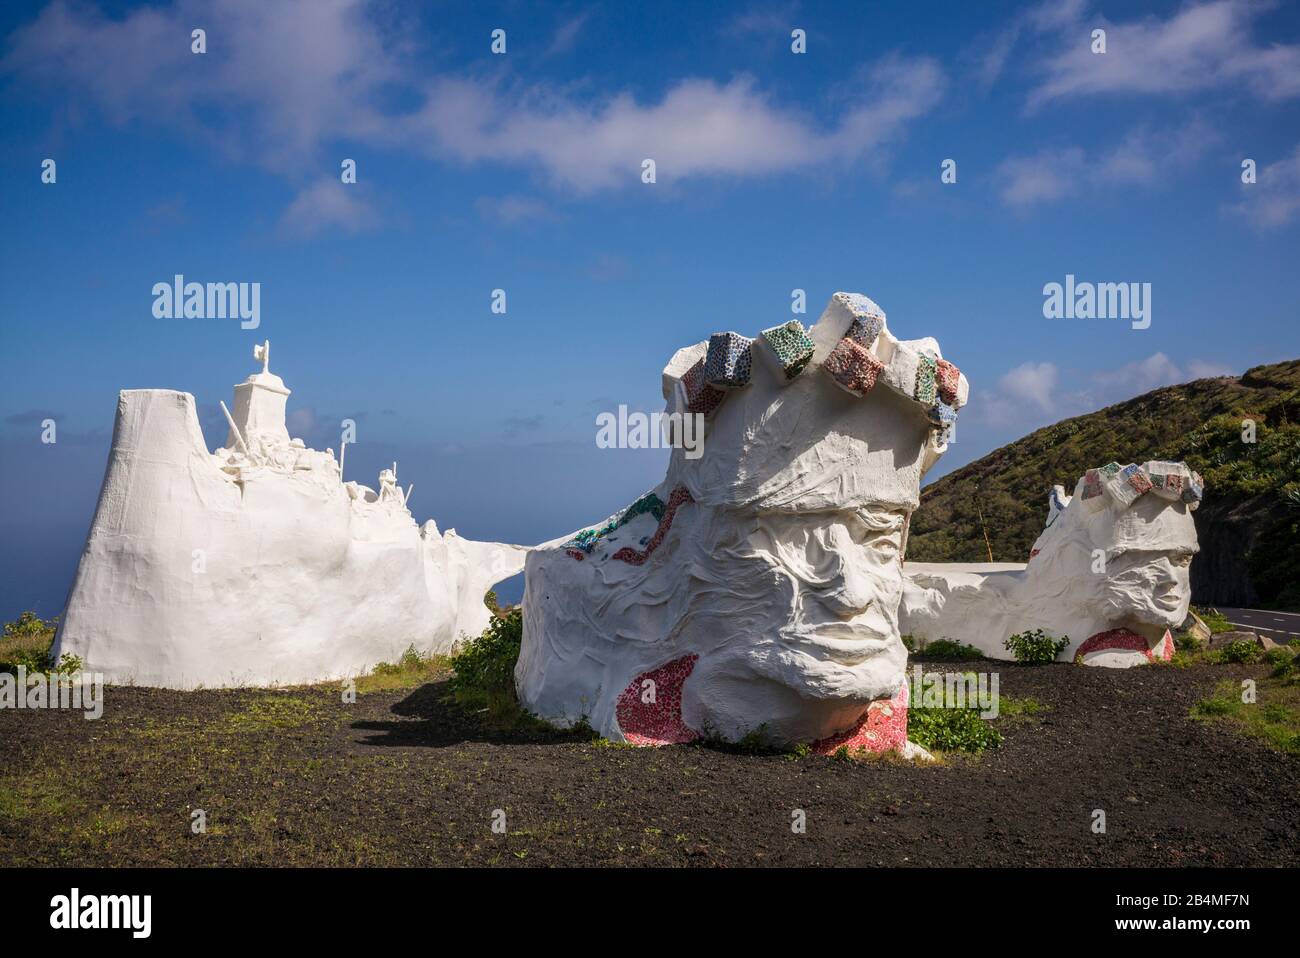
951 730
484 668
950 649
1285 662
26 644
1239 651
1035 647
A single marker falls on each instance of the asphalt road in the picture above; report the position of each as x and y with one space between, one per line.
1282 627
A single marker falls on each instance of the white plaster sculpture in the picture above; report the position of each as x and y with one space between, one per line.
1111 571
756 589
256 565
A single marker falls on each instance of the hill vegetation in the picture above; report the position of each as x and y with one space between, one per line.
1248 524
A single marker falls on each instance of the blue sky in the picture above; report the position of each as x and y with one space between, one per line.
775 171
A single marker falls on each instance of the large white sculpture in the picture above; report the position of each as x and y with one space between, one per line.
257 564
756 589
1110 570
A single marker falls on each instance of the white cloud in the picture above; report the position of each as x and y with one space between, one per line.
698 128
1032 382
328 204
1141 157
282 81
1273 200
1198 47
1034 394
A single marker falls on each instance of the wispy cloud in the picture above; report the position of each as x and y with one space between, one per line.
566 35
512 209
1273 200
328 204
1200 46
1142 156
1033 393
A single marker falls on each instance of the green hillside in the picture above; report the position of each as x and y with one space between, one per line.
1248 524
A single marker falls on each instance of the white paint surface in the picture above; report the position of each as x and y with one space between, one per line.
1143 585
220 569
783 574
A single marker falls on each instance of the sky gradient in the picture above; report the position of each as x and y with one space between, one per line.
775 171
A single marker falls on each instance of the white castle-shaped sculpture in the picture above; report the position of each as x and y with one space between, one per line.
256 564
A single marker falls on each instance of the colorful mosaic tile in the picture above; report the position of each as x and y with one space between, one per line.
944 418
1137 477
631 556
865 329
925 390
1124 639
853 367
585 541
1091 484
700 396
947 378
792 346
1110 469
727 364
649 710
881 728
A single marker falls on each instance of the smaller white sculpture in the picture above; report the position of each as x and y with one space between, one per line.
1110 570
257 564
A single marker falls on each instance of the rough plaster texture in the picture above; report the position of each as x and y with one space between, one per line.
1111 570
227 568
763 580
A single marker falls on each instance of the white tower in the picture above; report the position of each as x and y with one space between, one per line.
259 405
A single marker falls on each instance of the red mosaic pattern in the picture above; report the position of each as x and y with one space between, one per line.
658 722
576 553
946 377
628 554
881 728
852 366
700 396
1117 639
1139 481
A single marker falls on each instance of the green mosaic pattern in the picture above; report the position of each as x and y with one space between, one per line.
926 368
791 345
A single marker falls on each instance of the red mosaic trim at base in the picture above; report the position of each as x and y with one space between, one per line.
881 728
1124 639
628 554
658 722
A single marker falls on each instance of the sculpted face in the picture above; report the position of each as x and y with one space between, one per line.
829 587
757 588
1147 542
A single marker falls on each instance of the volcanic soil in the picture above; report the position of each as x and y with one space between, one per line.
406 777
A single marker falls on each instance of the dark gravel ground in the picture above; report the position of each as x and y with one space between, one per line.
403 777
